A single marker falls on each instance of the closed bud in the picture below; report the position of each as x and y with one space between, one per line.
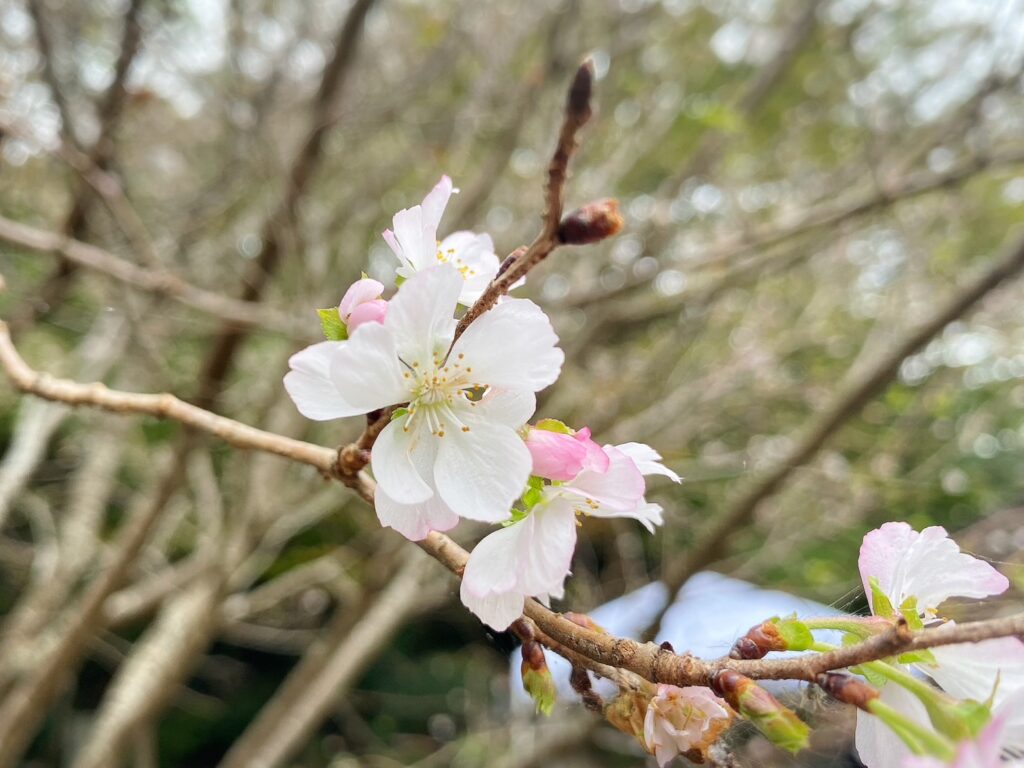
537 680
779 724
776 634
592 223
847 689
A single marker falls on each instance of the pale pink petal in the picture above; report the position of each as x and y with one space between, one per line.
366 370
416 246
512 345
555 456
392 241
414 521
368 312
310 386
647 460
927 566
493 566
360 292
421 316
877 745
394 462
596 460
481 472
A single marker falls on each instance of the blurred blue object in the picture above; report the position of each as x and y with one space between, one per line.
709 613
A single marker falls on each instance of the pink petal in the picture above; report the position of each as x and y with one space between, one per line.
360 292
369 312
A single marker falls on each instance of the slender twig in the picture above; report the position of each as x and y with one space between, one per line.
247 314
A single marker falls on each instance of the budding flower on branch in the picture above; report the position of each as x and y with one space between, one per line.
592 223
537 680
779 724
773 635
847 689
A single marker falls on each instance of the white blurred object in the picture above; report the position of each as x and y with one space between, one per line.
710 612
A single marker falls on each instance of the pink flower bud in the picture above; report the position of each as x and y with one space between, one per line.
684 721
362 304
561 456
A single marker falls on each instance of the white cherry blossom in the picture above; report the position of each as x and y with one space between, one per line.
415 243
454 451
925 569
681 719
531 557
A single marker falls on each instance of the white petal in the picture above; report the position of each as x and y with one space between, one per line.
928 566
414 521
433 207
492 567
398 458
310 386
970 670
648 460
496 611
366 371
876 743
512 345
618 490
480 473
511 407
421 315
473 254
545 549
417 247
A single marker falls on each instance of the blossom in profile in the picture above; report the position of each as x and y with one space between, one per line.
560 453
531 557
413 239
912 573
679 720
453 450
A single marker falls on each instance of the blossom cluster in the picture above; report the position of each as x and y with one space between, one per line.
459 444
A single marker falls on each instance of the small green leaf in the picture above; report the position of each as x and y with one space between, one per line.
880 601
399 413
794 633
873 677
553 425
333 326
909 611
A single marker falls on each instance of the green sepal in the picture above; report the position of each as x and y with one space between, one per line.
533 493
794 633
880 601
553 425
909 612
399 413
541 687
399 280
873 677
333 326
924 656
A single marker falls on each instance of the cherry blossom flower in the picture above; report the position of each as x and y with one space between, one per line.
915 573
991 745
454 450
681 719
362 304
414 241
531 557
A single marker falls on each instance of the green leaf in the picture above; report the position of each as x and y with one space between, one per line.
909 611
553 425
873 677
399 413
794 633
880 601
333 326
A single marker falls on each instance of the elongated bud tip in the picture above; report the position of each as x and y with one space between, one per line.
847 688
778 723
592 223
581 91
537 680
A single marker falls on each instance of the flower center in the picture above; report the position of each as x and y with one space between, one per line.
435 392
448 256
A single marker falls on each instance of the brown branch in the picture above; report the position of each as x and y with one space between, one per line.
163 406
241 313
577 113
715 542
582 646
